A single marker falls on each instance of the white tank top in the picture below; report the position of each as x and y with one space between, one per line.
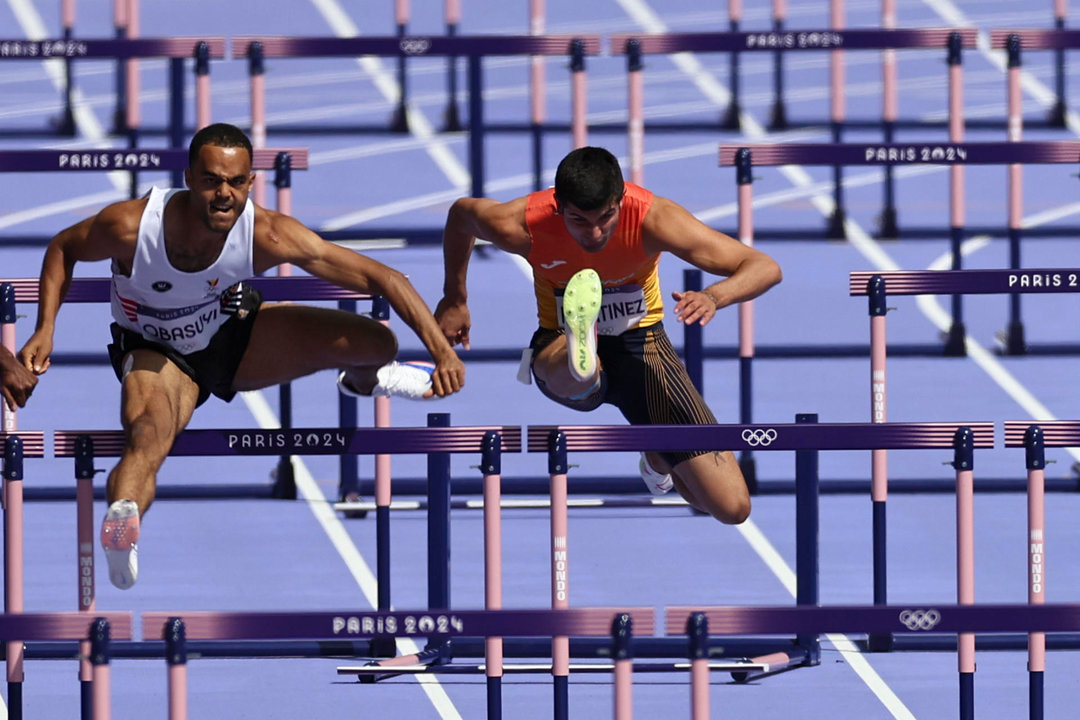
175 308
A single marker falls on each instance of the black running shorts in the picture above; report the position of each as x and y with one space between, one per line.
212 368
644 377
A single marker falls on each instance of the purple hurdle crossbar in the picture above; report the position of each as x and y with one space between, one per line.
473 47
402 623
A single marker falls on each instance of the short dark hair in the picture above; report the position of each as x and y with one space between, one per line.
218 135
589 178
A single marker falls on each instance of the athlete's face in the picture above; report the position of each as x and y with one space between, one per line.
220 181
591 229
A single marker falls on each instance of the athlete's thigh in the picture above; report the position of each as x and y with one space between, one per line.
154 389
290 341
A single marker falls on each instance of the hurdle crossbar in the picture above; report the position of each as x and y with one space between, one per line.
779 436
413 46
913 153
793 41
96 290
968 282
301 441
898 619
148 159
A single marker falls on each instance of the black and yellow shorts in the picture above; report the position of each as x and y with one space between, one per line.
644 377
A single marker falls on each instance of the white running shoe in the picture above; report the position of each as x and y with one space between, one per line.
657 483
581 307
119 538
411 380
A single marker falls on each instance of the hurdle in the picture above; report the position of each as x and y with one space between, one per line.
877 285
911 620
955 155
472 47
807 438
437 439
613 623
175 50
831 40
19 627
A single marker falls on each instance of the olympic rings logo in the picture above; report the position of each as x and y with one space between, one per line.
758 438
920 619
414 45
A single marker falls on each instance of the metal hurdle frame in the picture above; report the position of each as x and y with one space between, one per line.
962 619
807 438
96 630
128 48
833 40
877 286
436 440
617 624
952 154
472 47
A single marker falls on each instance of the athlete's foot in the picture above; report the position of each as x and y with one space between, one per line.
119 538
581 307
411 380
657 482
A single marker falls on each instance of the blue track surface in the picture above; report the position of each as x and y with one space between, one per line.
271 555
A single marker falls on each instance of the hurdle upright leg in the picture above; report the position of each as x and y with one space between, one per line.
1036 464
887 227
13 566
731 119
954 344
1014 331
491 467
84 509
560 571
66 124
537 104
1059 112
778 118
400 121
879 472
451 117
964 460
176 660
836 229
744 179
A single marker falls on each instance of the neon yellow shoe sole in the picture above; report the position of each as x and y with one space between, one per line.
581 307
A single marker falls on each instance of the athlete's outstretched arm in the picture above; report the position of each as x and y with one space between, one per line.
748 272
282 239
109 235
501 224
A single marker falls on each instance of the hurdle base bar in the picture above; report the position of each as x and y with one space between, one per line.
735 647
1004 641
620 486
776 664
732 666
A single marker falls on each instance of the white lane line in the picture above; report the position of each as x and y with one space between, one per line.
324 513
343 26
708 85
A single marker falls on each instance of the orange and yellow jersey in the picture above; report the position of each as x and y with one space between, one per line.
631 285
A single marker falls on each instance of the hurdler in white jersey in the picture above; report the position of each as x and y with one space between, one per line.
181 310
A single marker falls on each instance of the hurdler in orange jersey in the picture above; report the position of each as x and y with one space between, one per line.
594 244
